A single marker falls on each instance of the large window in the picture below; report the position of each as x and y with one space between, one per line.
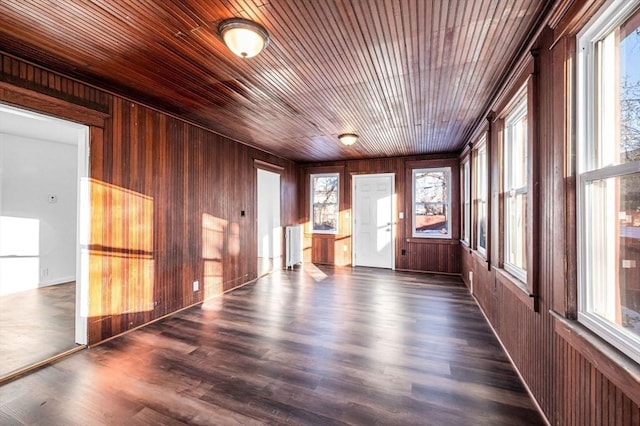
465 173
515 165
609 175
481 193
325 207
431 203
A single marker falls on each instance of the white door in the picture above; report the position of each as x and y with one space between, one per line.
373 220
269 229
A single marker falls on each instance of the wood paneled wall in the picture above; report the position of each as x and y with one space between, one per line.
429 255
167 202
573 381
167 205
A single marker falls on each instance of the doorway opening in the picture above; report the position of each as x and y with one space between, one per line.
268 222
43 162
373 225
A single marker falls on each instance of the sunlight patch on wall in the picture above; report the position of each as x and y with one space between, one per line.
213 239
121 260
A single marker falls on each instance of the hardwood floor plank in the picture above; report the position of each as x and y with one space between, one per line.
36 325
318 345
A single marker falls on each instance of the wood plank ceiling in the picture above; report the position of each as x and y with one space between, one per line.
409 76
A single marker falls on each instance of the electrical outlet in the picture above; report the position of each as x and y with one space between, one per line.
196 285
44 272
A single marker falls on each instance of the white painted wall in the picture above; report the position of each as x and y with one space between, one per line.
32 170
269 229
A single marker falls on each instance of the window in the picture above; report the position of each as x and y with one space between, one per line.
431 205
515 189
481 179
608 148
465 172
325 206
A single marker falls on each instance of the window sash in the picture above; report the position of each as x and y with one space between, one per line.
600 171
466 197
324 215
515 147
481 197
515 217
445 231
515 178
600 304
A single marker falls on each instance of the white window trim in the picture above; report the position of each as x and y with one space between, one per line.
447 171
611 15
466 215
311 194
482 145
520 111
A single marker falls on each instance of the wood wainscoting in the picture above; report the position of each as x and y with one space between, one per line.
172 203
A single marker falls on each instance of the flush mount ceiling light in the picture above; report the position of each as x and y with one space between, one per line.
348 138
243 37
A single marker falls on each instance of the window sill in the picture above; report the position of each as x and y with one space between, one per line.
517 287
615 366
481 257
432 240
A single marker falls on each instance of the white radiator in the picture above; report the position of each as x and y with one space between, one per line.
293 245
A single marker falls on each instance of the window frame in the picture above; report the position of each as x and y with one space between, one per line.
448 208
588 136
312 176
479 195
519 110
466 199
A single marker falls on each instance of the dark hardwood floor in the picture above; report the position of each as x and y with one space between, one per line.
318 345
36 325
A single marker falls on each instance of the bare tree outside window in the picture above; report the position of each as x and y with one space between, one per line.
324 203
630 95
629 195
431 203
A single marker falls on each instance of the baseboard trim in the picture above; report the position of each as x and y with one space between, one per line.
61 280
38 365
